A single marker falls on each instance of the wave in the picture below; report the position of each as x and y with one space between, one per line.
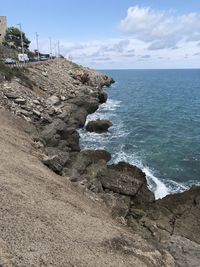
155 184
110 105
160 187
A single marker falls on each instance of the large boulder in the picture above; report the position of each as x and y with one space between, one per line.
59 134
90 104
79 162
175 215
102 97
128 180
98 126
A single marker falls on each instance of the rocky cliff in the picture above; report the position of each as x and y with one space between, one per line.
56 103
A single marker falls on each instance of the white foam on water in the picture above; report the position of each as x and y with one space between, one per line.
100 141
160 190
110 105
103 111
155 184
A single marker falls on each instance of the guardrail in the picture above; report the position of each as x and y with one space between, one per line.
26 64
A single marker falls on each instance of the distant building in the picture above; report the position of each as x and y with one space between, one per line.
3 27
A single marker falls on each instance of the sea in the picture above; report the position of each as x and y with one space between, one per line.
156 126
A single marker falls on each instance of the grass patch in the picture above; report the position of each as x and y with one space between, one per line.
10 72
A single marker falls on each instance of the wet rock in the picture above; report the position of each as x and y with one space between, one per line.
98 126
102 97
125 179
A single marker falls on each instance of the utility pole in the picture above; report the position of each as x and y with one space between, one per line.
50 47
58 48
38 54
22 42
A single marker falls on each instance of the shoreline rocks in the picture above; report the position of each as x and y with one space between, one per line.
98 126
58 107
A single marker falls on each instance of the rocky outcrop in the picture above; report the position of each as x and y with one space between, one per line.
57 107
98 126
176 214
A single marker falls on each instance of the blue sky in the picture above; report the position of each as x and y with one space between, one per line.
111 33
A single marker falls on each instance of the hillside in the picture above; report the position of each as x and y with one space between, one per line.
61 206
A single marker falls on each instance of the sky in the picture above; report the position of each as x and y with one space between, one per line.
113 34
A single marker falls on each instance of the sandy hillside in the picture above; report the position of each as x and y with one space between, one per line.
45 221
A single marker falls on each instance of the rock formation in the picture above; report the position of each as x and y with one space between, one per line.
61 96
98 126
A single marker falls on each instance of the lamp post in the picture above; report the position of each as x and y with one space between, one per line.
38 54
50 47
22 42
58 48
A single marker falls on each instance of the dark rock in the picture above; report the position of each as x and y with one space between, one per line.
11 95
57 131
85 78
107 81
118 204
102 97
179 214
125 179
56 162
90 104
91 173
98 126
79 117
96 155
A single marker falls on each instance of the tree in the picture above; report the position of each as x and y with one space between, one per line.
13 38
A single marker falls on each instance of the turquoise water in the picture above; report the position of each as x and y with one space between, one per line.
156 125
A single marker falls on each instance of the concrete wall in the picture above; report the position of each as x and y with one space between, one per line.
3 27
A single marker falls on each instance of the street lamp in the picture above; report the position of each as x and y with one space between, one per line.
22 42
58 48
38 55
50 47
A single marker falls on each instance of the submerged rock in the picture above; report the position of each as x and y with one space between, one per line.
98 126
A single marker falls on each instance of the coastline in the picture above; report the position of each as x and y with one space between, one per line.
57 108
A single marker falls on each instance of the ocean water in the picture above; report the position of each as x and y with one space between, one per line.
156 126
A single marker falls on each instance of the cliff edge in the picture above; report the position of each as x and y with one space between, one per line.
58 201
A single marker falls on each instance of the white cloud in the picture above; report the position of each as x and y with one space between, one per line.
160 29
152 39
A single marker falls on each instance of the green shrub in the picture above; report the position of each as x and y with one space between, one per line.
10 72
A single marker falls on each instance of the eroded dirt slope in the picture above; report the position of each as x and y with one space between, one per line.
44 221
